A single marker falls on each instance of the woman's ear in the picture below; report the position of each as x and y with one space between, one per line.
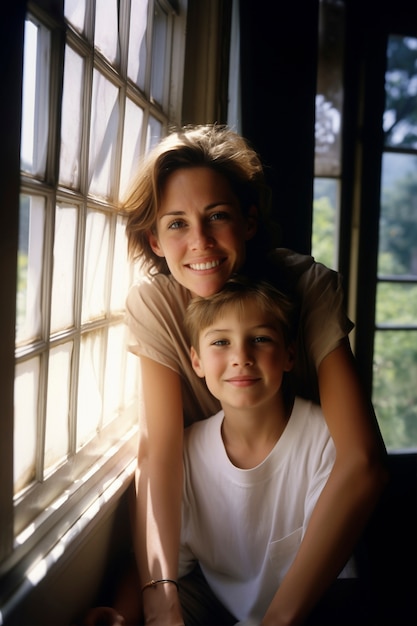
252 222
196 363
154 243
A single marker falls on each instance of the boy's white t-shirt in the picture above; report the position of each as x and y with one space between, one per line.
245 526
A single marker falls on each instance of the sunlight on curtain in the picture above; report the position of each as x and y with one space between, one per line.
154 133
25 428
69 165
159 43
57 413
30 258
103 138
35 103
106 32
137 56
131 145
121 268
75 13
89 404
63 279
95 265
113 381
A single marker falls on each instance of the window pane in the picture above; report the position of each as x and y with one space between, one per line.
154 133
115 366
136 66
396 303
131 144
400 117
107 29
394 387
398 221
57 415
62 304
89 405
71 122
131 380
329 98
75 13
95 265
104 127
25 419
29 271
325 221
159 41
35 99
121 268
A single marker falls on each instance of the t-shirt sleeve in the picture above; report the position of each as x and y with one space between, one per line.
323 319
325 322
152 319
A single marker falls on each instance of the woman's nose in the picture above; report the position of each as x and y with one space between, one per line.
201 237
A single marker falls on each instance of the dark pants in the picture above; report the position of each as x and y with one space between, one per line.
344 604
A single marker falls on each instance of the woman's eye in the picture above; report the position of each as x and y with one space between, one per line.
219 215
175 225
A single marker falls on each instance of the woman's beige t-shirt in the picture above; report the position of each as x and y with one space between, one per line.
155 311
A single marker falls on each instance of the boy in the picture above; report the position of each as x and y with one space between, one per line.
253 471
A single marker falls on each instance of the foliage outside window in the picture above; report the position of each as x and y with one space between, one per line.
395 349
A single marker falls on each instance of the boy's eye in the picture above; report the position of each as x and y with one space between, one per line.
220 342
262 339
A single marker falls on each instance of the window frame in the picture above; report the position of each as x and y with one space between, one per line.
82 505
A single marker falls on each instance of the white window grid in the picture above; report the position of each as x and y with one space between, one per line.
53 494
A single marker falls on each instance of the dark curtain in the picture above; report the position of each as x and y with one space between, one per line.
278 78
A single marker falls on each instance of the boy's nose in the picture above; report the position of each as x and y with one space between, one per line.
243 357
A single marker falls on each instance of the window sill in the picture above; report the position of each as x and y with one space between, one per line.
19 576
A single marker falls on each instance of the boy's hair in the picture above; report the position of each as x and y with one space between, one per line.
236 293
214 146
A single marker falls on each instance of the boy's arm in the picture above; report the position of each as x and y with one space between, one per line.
159 492
348 498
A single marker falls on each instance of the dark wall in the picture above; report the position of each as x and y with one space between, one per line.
278 78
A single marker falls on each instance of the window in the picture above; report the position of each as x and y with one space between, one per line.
395 343
390 330
328 133
97 93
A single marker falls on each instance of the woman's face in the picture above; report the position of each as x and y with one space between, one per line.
200 229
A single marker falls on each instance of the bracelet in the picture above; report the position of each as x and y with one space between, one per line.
161 581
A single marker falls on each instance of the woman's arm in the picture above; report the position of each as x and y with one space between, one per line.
348 498
159 491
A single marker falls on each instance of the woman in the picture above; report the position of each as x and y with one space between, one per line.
195 219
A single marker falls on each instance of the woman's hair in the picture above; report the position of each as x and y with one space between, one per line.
214 146
236 293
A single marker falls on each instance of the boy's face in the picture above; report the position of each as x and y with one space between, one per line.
201 230
243 359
